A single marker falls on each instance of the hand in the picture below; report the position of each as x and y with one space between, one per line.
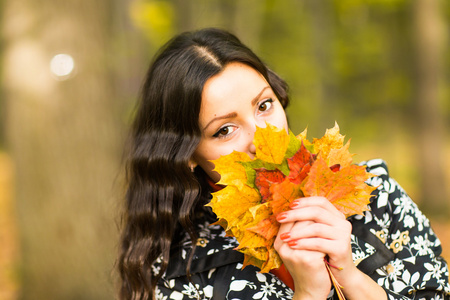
306 267
312 230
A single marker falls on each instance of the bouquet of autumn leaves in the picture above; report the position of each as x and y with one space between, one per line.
285 167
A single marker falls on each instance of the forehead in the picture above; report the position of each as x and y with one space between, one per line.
237 83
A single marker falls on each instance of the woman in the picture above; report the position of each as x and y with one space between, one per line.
203 97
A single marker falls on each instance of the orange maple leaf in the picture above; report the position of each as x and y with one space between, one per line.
345 189
284 194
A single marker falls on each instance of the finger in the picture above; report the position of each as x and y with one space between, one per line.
334 241
339 253
314 230
313 244
309 213
339 231
316 201
304 257
283 230
296 226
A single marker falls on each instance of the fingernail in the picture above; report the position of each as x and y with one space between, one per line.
282 216
292 243
285 236
294 204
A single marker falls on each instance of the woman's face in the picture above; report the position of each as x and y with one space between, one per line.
234 102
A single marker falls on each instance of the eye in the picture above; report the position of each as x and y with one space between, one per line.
265 105
224 131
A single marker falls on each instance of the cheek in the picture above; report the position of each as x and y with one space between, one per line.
280 120
207 166
212 174
204 153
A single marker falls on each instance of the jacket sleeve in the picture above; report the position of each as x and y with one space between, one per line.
417 270
225 282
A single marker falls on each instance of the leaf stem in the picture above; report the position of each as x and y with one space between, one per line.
336 284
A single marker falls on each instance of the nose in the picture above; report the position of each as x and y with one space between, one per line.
251 148
251 129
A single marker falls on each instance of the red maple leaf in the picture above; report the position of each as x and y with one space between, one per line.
300 164
264 179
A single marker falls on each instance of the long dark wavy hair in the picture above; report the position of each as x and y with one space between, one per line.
164 198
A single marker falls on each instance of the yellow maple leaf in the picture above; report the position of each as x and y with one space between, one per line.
230 170
224 205
271 144
271 261
302 137
331 140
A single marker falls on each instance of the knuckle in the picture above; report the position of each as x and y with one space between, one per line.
348 226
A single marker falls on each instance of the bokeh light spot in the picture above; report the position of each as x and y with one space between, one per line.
62 65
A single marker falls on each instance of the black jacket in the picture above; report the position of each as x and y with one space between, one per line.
393 243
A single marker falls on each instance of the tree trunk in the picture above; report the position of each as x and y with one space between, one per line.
65 134
428 33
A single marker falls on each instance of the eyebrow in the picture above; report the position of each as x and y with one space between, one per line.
234 114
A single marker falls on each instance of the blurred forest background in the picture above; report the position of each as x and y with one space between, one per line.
71 72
